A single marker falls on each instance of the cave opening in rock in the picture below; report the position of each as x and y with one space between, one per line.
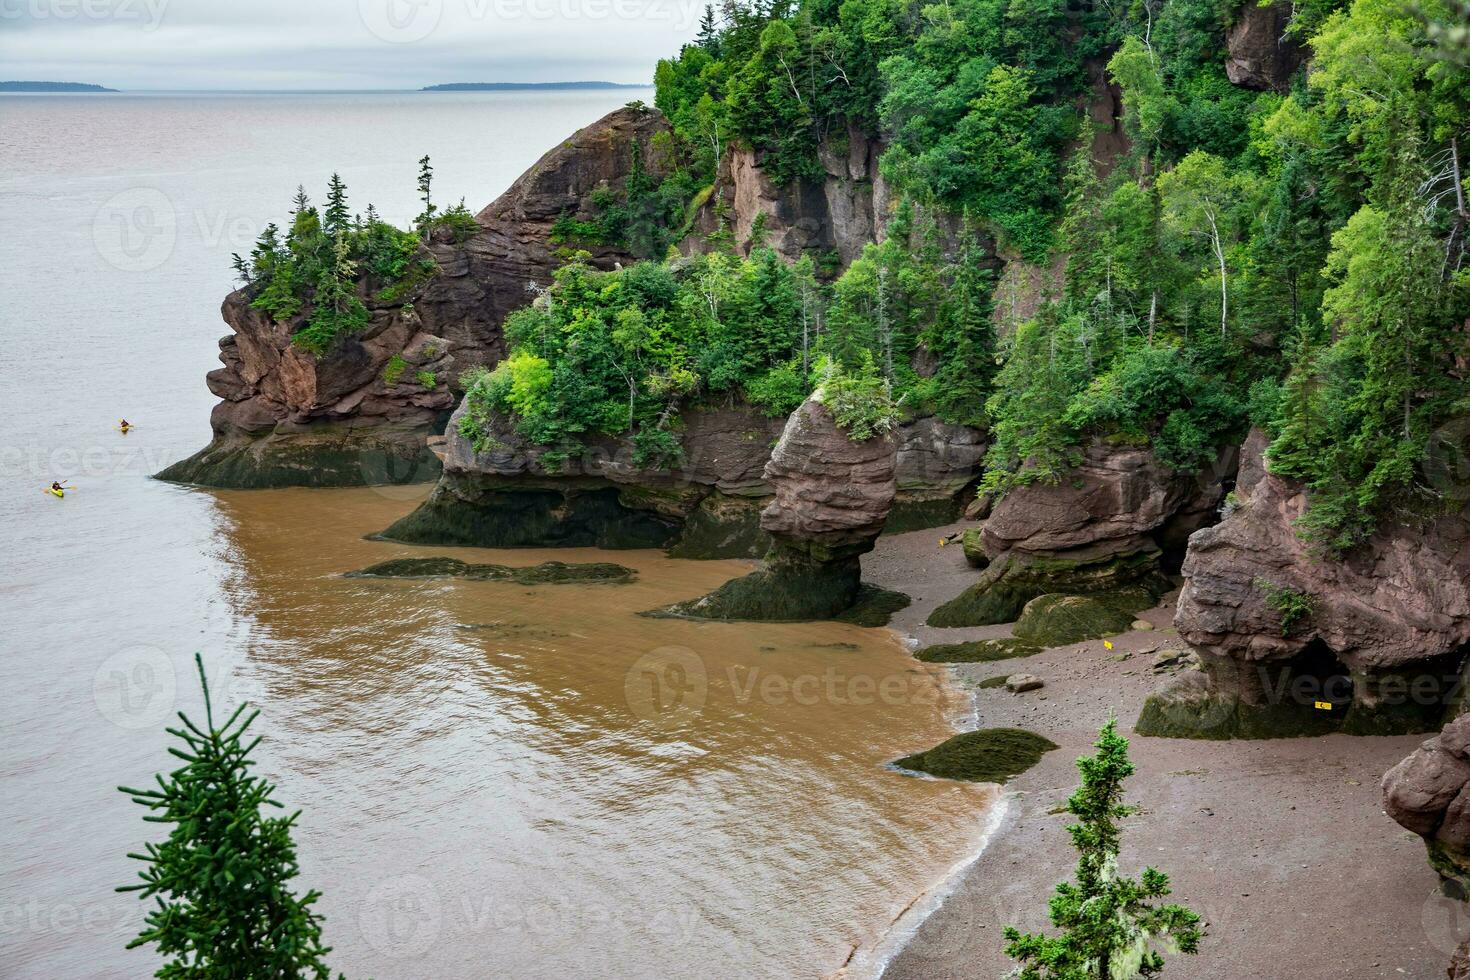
1319 678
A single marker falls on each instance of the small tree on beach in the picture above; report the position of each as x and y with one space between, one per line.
1109 924
221 881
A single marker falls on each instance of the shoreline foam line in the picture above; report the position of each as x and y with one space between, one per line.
870 962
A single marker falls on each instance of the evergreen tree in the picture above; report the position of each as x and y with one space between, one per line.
709 31
336 215
426 180
1109 922
225 909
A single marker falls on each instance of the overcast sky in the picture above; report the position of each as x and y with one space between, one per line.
337 44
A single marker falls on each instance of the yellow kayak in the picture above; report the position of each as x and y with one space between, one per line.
58 493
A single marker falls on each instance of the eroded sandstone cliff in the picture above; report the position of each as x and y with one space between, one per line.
1298 643
362 412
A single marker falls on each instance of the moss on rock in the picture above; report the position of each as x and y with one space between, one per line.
1056 620
780 592
319 461
568 517
975 554
992 682
990 755
873 607
1011 581
977 651
916 510
723 526
547 573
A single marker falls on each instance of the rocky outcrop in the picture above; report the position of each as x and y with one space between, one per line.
1429 793
357 415
708 505
361 413
1293 643
831 498
839 214
508 494
1261 54
1104 526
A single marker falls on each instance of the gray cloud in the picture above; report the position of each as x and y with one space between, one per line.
346 44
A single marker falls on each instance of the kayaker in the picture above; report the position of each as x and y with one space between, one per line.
125 425
56 486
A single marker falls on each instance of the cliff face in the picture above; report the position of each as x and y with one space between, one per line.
840 214
1261 54
1376 637
362 413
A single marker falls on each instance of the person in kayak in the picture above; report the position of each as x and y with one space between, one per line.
125 425
56 486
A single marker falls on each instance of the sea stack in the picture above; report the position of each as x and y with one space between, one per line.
832 496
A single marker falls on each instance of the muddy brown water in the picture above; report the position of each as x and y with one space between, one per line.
502 780
496 780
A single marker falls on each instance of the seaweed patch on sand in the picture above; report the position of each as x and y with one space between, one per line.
989 755
547 573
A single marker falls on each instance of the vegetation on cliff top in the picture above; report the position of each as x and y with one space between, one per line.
329 261
1292 259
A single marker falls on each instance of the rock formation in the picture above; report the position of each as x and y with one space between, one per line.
707 506
1262 56
1429 793
1104 526
832 496
289 419
841 214
505 496
1377 637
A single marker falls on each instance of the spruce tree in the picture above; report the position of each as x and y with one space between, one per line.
1109 922
221 881
426 181
336 216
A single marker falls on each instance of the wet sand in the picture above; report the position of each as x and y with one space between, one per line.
1282 846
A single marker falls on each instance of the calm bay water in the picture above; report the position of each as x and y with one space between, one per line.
497 780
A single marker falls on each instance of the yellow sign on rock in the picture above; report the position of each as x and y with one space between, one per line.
1324 705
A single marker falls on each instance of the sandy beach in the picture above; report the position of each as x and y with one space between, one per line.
1282 846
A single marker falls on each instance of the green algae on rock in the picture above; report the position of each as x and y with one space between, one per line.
990 683
1057 620
977 651
1010 582
547 573
989 755
568 516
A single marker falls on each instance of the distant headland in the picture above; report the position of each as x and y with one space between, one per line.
52 87
521 86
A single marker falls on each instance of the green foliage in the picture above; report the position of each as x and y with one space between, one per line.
1357 411
221 881
1110 924
328 263
394 369
1292 606
426 380
860 400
